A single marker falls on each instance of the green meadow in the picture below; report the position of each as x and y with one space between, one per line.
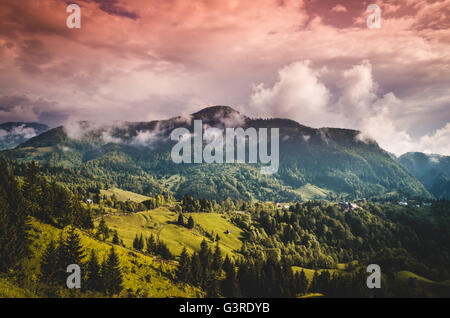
123 195
161 222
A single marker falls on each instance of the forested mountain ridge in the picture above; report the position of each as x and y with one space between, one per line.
135 156
432 170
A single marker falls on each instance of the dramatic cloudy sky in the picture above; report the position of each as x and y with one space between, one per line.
313 61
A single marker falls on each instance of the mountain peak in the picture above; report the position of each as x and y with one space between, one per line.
212 111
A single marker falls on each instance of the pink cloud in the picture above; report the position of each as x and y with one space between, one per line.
339 8
175 56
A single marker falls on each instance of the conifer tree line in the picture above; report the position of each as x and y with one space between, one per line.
14 220
55 205
220 276
189 224
202 268
52 203
35 197
102 277
152 246
271 278
190 204
319 235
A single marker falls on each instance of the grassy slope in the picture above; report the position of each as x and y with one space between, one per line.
161 223
309 273
431 288
150 276
311 192
123 195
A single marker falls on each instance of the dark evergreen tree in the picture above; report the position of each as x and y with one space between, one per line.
140 243
136 242
303 283
314 287
49 265
112 274
217 260
151 244
164 251
116 239
230 286
180 219
190 223
74 252
196 270
184 268
103 229
94 281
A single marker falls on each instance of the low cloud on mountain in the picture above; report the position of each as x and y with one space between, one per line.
356 102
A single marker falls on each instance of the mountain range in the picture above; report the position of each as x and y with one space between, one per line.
314 163
432 170
14 133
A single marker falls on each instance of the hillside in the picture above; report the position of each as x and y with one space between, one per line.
162 224
432 170
143 275
314 163
123 195
163 247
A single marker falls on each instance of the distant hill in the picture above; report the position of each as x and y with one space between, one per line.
15 133
314 163
432 170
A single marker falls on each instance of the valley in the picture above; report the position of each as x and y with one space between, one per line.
141 225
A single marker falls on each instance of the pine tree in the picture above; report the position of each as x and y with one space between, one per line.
141 243
151 244
112 274
314 283
69 251
196 270
64 205
190 224
303 282
180 219
49 264
217 260
204 254
116 239
164 251
61 260
93 279
184 269
136 242
230 287
205 260
103 229
73 248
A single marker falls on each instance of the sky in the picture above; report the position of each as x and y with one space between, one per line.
313 61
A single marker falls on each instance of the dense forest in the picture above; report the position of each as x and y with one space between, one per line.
279 243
